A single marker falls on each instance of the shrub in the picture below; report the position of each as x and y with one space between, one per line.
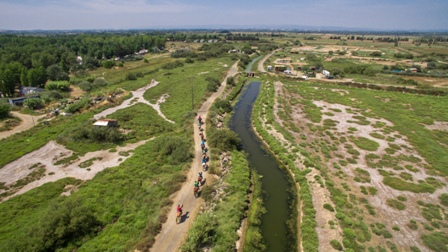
395 204
172 65
108 64
174 149
437 241
33 103
223 105
231 81
131 76
365 143
58 86
336 245
5 111
85 85
224 140
328 207
444 199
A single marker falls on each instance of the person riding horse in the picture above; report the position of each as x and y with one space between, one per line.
200 178
179 213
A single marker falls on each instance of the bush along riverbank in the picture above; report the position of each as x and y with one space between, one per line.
226 202
253 240
263 119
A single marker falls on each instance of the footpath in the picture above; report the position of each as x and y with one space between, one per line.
172 234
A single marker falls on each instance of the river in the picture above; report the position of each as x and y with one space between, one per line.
274 180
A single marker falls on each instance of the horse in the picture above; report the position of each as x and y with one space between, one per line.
200 180
196 192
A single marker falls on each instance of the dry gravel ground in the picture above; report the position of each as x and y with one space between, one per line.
385 214
49 154
28 121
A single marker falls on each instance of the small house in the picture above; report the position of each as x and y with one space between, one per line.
16 101
326 73
106 123
412 70
30 90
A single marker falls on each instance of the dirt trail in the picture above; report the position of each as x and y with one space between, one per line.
261 62
137 96
28 121
47 157
172 235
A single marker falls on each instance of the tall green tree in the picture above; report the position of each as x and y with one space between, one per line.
37 77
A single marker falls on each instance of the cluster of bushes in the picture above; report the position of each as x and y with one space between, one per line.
172 65
91 134
173 149
212 84
218 230
78 105
244 61
183 54
360 69
33 103
224 140
375 54
215 50
90 84
5 110
407 81
63 86
403 55
134 75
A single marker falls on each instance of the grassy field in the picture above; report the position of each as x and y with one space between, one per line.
122 207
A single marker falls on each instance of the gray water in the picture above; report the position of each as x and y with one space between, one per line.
274 181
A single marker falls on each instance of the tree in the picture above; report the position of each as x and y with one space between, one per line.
37 77
33 103
231 81
5 110
224 140
55 73
108 64
7 84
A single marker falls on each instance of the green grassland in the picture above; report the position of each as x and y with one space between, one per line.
122 207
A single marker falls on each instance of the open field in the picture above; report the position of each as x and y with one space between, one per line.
370 162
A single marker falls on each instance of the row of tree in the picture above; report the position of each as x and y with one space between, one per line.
32 60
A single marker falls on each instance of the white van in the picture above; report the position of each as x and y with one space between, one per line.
287 71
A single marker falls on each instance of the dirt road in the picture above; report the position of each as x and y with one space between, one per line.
172 235
261 62
28 121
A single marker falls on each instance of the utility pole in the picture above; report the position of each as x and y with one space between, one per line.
192 93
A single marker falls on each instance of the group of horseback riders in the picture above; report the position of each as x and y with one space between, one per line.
205 160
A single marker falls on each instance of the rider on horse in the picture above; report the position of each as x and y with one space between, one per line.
196 184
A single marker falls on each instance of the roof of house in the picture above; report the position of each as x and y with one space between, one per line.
104 122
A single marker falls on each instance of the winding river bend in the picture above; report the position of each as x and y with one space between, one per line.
274 181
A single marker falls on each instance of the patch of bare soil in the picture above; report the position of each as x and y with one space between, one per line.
438 126
48 155
346 119
76 91
27 122
137 96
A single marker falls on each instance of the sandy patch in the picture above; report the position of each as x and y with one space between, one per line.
137 96
438 126
49 154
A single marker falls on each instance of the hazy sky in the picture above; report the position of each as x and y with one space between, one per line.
130 14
